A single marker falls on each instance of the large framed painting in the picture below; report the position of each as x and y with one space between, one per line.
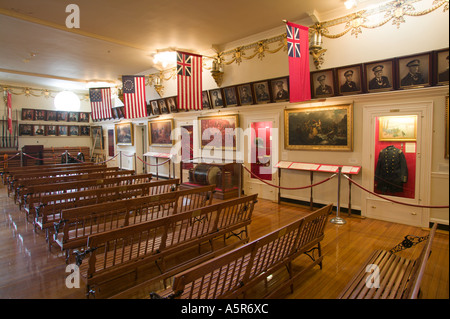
97 137
219 131
446 127
328 128
159 132
124 134
401 128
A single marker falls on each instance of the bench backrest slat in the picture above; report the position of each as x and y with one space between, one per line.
240 268
158 237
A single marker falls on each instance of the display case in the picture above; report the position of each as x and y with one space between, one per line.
226 176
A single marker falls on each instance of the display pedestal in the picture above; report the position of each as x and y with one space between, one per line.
315 167
226 176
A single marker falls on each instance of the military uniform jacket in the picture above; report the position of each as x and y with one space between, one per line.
391 171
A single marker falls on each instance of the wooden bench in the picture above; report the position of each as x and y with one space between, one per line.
33 198
15 179
77 224
101 174
49 211
8 171
235 273
41 177
118 259
398 277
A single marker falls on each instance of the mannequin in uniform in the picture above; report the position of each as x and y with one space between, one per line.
391 171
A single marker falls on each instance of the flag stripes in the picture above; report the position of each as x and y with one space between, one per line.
134 96
101 103
189 78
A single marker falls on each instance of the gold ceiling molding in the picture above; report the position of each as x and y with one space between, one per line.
27 91
394 11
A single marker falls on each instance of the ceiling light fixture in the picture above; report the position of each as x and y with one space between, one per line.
349 4
67 101
165 57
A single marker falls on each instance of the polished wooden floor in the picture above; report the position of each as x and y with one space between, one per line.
29 270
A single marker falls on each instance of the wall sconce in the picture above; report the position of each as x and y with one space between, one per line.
157 83
217 70
315 48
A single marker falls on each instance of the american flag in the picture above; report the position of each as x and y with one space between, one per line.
189 76
100 103
134 96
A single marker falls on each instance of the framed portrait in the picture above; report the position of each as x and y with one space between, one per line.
230 96
163 106
124 134
159 132
400 128
245 94
25 129
414 71
83 117
262 93
280 89
62 116
322 84
171 103
118 112
74 116
39 130
40 115
328 128
154 107
219 131
74 130
97 137
85 131
28 115
447 131
50 116
441 66
206 101
349 79
379 76
51 130
216 98
63 130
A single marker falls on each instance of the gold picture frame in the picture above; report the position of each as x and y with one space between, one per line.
400 128
159 132
220 125
124 134
447 131
328 128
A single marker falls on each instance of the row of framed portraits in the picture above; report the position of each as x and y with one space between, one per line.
260 92
56 116
54 130
327 128
413 71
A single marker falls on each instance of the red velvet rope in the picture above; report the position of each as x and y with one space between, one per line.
159 164
290 188
391 200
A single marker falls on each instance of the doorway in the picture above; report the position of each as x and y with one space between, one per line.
397 160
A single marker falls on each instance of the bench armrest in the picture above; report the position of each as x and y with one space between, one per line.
80 255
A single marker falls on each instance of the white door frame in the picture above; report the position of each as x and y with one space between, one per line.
273 117
424 111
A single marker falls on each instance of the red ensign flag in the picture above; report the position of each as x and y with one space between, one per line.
298 52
